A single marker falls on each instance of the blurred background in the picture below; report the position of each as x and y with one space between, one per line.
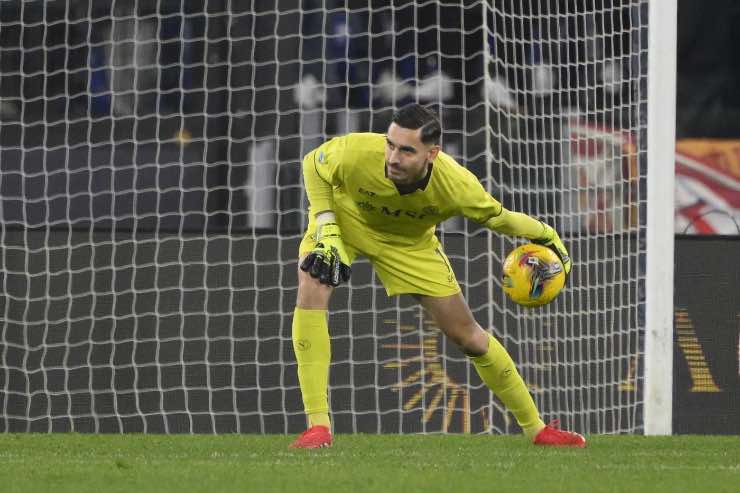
194 115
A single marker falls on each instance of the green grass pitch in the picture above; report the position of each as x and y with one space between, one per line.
387 463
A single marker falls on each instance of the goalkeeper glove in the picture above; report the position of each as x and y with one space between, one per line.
327 262
551 240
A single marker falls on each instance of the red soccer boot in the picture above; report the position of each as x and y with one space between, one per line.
551 435
315 437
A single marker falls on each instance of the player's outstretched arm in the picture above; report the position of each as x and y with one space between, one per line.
328 261
518 224
477 204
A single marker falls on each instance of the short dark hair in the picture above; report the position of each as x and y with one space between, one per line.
414 116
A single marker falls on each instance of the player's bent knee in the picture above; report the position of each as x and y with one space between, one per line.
312 295
472 340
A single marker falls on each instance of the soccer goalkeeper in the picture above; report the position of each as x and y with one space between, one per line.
381 196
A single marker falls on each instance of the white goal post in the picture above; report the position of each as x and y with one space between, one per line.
659 318
151 206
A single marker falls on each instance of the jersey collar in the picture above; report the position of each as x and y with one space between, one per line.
412 187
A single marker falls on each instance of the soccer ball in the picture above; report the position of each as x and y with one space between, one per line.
533 275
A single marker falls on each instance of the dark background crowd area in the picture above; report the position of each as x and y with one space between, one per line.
99 98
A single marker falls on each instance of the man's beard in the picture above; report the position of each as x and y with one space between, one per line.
408 180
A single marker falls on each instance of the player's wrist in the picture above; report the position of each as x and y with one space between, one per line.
326 217
328 231
326 226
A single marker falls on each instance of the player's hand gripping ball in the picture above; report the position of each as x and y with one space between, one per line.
533 275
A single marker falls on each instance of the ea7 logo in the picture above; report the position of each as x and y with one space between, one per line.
366 192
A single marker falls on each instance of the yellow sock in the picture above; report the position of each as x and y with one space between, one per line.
313 353
498 372
319 419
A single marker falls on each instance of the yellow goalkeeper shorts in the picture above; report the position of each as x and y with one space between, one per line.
424 270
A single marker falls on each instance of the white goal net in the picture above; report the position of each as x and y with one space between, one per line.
151 206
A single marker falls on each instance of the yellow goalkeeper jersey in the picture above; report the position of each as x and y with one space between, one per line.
347 175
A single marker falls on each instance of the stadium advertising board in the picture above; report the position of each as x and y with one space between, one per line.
707 336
